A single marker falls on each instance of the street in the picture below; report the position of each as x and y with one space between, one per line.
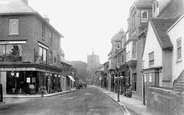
89 101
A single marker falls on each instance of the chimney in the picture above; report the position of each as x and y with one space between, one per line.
46 17
25 1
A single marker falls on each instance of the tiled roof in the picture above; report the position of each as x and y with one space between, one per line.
142 2
14 6
173 9
11 7
160 26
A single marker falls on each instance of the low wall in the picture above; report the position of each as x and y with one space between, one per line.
165 101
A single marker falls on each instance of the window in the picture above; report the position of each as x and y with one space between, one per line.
122 58
151 58
50 37
155 9
178 49
144 16
133 22
43 31
51 58
11 53
134 51
13 26
118 44
134 81
42 55
128 52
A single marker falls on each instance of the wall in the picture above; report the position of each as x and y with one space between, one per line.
165 101
3 81
140 47
55 47
167 68
176 32
150 46
25 33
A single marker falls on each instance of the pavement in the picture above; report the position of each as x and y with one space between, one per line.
10 99
132 104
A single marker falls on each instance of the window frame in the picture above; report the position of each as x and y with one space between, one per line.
155 8
142 18
10 26
42 55
13 58
43 31
151 59
133 22
178 47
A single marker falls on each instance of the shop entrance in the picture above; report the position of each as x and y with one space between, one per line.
20 82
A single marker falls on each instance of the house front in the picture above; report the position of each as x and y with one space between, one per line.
29 51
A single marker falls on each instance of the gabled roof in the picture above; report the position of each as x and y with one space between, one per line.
160 26
18 7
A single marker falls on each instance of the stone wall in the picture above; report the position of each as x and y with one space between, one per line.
165 101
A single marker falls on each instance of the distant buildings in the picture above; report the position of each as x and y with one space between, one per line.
93 61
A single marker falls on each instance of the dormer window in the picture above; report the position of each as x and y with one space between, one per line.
144 16
155 8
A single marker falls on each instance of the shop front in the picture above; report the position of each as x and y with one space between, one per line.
29 80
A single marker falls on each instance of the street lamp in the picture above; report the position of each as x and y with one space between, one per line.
118 78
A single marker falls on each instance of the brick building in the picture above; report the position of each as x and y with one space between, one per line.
29 50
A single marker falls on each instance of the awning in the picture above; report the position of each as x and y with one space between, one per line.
71 78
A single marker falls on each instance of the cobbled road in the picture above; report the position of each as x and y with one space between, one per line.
89 101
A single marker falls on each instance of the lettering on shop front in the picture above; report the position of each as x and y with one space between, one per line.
16 69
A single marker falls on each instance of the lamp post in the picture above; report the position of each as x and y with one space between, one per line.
118 78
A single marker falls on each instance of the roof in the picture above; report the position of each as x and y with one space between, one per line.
63 60
14 6
18 7
142 2
117 37
160 26
173 9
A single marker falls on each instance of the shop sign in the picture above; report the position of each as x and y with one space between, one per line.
17 69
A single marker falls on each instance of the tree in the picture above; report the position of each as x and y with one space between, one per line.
81 69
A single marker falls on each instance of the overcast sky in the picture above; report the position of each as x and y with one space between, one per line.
85 24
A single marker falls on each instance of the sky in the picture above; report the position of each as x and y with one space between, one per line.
87 25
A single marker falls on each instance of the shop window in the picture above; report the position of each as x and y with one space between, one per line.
13 26
2 53
42 55
11 53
